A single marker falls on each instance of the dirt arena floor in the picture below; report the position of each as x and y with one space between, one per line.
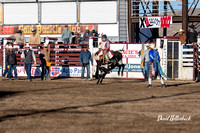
116 106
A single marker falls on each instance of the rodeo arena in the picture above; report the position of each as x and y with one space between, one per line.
99 66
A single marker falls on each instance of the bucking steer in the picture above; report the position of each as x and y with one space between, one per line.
106 66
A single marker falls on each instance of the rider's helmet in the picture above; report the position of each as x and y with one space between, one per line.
104 36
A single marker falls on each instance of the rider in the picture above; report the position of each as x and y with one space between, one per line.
104 49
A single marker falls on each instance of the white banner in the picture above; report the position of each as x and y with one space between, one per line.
66 71
23 13
155 22
35 71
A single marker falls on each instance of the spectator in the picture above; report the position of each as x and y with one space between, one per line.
145 58
95 39
85 59
66 35
45 60
77 39
182 36
28 56
34 38
6 51
86 36
192 35
20 38
11 62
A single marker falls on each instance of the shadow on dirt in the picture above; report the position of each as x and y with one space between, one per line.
4 94
64 109
176 85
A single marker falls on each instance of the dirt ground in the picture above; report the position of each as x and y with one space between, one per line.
116 106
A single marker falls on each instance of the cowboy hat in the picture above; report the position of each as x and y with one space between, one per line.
86 28
32 30
45 45
147 45
192 26
27 46
84 46
181 30
10 47
152 46
20 31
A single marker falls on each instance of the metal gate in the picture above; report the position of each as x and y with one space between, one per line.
173 59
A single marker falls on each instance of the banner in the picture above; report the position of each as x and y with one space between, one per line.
45 29
66 71
155 22
35 71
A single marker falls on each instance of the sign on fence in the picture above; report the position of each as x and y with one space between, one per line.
155 22
65 71
35 71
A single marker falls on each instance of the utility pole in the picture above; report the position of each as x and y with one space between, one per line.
185 15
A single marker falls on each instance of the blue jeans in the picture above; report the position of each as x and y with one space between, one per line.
45 72
28 70
146 69
66 41
6 71
21 46
12 67
83 70
187 47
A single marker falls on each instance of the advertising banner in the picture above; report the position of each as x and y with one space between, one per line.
44 29
66 71
155 22
35 71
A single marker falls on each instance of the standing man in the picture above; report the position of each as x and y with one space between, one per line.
6 51
45 60
28 56
76 39
20 38
182 36
85 59
11 62
66 35
86 36
145 58
192 35
34 38
155 69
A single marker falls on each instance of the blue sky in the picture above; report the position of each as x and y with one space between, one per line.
177 5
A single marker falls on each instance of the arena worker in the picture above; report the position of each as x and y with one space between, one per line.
145 58
11 61
28 56
45 61
155 68
85 59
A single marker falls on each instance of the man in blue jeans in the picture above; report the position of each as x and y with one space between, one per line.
85 59
28 56
145 57
11 62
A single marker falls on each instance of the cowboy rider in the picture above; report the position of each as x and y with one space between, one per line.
104 49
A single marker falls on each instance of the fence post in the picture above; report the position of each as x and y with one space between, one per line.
91 50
